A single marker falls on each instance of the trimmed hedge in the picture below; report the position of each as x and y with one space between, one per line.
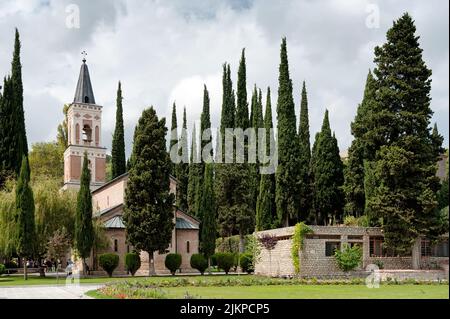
199 262
173 262
132 262
246 262
225 261
108 262
2 269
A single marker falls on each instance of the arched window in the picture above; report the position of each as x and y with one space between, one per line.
116 246
86 99
77 133
97 135
188 248
87 133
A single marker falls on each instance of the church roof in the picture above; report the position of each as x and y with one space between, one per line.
84 93
184 224
115 222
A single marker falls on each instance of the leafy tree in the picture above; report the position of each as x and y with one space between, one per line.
62 136
265 204
327 170
84 232
148 211
133 262
118 144
26 232
57 246
108 262
182 169
173 262
208 213
349 258
199 262
304 158
46 160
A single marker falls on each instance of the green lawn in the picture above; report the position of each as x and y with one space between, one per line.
314 292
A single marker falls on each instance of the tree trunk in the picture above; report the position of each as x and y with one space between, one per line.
209 265
25 274
83 267
286 221
151 264
416 254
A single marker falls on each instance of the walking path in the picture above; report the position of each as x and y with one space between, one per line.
47 292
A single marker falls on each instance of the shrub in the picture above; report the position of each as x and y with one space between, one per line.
132 262
214 260
246 262
173 262
349 258
225 261
108 262
199 262
10 264
2 269
379 263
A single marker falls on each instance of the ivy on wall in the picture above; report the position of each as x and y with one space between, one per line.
300 230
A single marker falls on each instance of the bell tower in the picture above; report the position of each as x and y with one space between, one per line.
84 119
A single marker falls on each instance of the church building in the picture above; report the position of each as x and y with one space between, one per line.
84 135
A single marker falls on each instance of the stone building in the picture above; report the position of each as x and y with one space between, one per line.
84 135
317 256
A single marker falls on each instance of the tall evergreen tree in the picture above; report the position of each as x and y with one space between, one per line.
265 205
118 144
26 231
193 180
363 147
173 137
287 175
84 230
148 211
182 169
242 120
19 120
208 213
404 193
8 140
328 175
304 158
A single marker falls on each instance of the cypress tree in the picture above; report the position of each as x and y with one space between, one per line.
173 137
404 193
118 144
304 158
242 120
182 169
327 170
193 179
84 230
265 206
8 140
148 211
362 148
26 231
19 117
208 212
287 175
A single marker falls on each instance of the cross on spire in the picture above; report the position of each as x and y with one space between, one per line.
84 55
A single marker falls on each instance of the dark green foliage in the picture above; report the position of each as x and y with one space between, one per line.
363 148
182 169
2 269
225 261
208 213
84 231
132 262
442 195
173 137
118 144
327 169
304 159
26 230
246 262
8 135
405 185
287 175
148 211
108 262
348 258
194 177
265 204
242 120
173 262
199 262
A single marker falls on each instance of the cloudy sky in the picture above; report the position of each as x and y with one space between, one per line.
164 51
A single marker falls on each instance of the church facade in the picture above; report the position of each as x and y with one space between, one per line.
108 198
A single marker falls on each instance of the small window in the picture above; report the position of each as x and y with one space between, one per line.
116 248
86 99
331 247
188 249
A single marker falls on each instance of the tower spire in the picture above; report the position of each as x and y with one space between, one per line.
84 92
